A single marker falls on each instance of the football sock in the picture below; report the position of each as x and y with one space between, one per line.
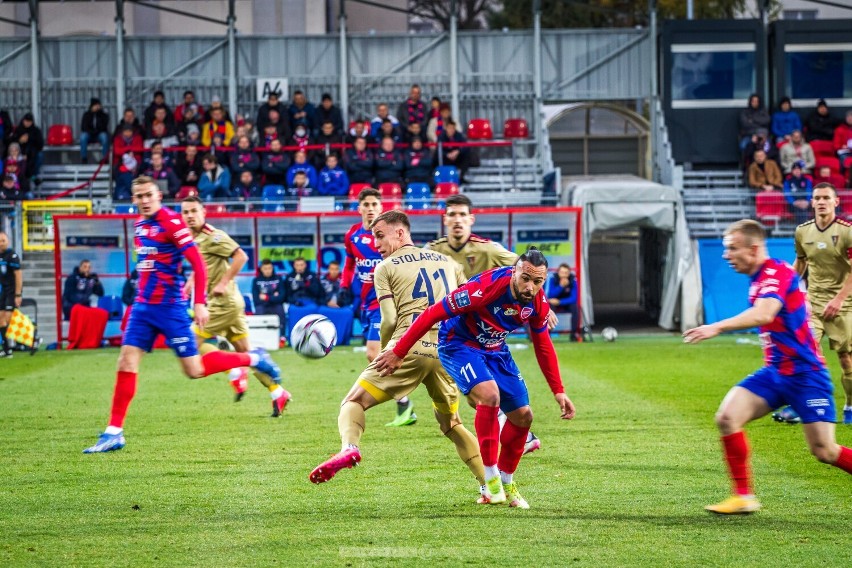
487 432
736 451
491 472
512 441
506 478
275 391
468 450
3 331
846 381
501 417
351 423
125 389
218 361
844 460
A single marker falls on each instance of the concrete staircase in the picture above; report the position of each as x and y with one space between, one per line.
59 178
40 286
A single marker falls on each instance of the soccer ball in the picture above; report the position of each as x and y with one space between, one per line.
609 334
314 336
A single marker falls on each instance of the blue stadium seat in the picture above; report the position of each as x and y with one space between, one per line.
342 319
273 198
113 305
124 209
446 174
418 196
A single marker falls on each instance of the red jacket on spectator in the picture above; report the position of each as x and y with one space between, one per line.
123 145
843 137
834 179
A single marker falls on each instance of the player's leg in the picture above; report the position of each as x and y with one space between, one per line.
515 402
5 317
823 446
750 399
840 340
279 396
846 382
820 328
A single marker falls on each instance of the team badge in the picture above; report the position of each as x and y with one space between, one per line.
834 239
526 313
470 261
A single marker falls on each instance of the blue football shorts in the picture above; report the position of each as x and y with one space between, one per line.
147 321
371 321
469 366
810 393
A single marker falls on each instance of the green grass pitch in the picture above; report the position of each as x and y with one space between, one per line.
207 482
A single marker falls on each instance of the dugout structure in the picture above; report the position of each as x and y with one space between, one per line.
107 241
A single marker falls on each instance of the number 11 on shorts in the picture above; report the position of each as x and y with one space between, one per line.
464 371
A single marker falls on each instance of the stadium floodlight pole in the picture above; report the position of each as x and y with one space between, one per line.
120 86
537 120
454 61
652 99
35 56
232 60
690 10
344 67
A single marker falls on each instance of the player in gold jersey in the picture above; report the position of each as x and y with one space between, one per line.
824 249
224 259
407 281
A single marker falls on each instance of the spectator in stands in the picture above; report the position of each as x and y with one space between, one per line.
159 102
302 287
382 113
415 130
797 150
301 138
333 179
15 159
412 111
162 129
189 104
359 130
301 112
300 164
819 124
300 186
389 163
189 126
760 141
418 162
328 137
797 191
188 167
764 174
218 131
157 148
129 119
7 127
843 142
215 181
126 160
785 120
331 284
128 291
327 112
216 103
561 293
825 175
360 162
80 287
247 188
455 156
158 171
15 170
275 164
252 133
243 158
387 130
30 137
94 126
272 104
11 188
281 128
438 115
752 117
268 292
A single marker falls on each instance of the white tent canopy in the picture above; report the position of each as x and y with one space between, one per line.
625 202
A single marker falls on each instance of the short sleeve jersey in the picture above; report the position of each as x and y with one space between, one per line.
476 255
160 242
415 278
9 263
217 247
788 340
362 258
828 252
485 312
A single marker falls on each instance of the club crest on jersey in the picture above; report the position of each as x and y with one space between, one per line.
526 313
366 240
471 260
834 239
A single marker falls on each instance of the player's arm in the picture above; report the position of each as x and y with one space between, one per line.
182 237
504 257
387 305
238 261
763 311
19 286
800 265
545 354
832 309
349 265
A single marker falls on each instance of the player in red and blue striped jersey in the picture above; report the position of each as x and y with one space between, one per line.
162 242
476 318
794 371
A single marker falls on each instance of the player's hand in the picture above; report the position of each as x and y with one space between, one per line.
566 406
18 301
220 289
832 309
552 320
387 363
344 297
698 334
202 316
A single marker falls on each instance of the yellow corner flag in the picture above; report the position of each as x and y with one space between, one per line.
21 329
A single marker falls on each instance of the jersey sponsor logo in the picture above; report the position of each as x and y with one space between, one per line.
145 265
489 337
367 262
510 312
817 402
822 246
146 250
526 312
366 240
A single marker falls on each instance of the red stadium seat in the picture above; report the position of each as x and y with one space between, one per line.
356 188
446 189
216 208
845 203
479 129
60 135
391 195
771 207
186 191
823 148
516 128
829 161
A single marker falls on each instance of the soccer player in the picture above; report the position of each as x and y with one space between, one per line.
361 260
407 281
823 250
162 242
476 318
224 259
11 288
794 373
